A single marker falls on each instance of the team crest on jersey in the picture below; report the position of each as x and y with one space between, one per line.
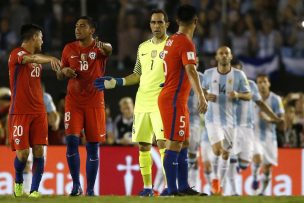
153 53
162 55
20 53
17 141
181 133
83 57
92 55
230 81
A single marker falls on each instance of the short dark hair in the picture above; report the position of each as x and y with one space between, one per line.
186 13
235 62
90 21
262 75
29 30
159 11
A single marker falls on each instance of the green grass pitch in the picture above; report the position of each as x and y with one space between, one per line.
121 199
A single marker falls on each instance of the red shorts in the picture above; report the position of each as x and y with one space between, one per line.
91 120
175 121
27 130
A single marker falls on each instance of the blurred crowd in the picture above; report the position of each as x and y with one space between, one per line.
250 27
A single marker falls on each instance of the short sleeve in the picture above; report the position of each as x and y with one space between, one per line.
244 84
19 56
205 80
278 106
188 53
256 96
64 57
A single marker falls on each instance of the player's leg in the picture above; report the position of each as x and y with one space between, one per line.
18 128
27 173
158 130
38 138
216 138
171 164
37 169
73 121
266 177
195 136
95 132
142 133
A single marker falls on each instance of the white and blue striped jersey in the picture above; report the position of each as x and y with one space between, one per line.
264 128
245 109
222 111
48 103
192 105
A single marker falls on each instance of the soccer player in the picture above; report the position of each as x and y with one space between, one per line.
148 72
195 135
83 61
223 86
244 138
266 146
180 76
27 116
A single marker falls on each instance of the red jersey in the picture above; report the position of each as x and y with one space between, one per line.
178 52
89 64
25 84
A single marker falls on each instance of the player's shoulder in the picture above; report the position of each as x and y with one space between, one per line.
210 70
71 45
275 96
145 44
47 96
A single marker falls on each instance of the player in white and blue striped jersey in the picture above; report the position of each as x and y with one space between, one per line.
243 148
266 146
195 136
223 86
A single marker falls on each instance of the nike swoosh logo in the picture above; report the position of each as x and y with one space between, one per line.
102 135
71 155
93 159
144 54
73 57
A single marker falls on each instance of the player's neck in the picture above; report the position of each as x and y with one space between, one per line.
265 95
86 42
186 31
224 69
28 47
156 40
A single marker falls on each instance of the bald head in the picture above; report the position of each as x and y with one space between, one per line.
223 56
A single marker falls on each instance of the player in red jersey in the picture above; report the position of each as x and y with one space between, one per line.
181 75
83 61
27 123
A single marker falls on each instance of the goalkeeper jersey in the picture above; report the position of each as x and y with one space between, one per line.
149 65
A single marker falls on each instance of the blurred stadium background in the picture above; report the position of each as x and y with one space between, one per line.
266 36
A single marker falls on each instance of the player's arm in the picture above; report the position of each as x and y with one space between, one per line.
266 109
104 47
109 82
53 120
42 59
240 95
196 86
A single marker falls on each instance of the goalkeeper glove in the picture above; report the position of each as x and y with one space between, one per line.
108 82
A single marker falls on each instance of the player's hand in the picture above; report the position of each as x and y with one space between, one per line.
233 95
55 64
106 82
69 72
211 97
202 104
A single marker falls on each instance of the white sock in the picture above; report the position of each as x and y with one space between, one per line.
27 180
255 169
208 177
223 171
231 175
215 163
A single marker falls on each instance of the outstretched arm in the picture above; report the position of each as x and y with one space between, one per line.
42 59
265 108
